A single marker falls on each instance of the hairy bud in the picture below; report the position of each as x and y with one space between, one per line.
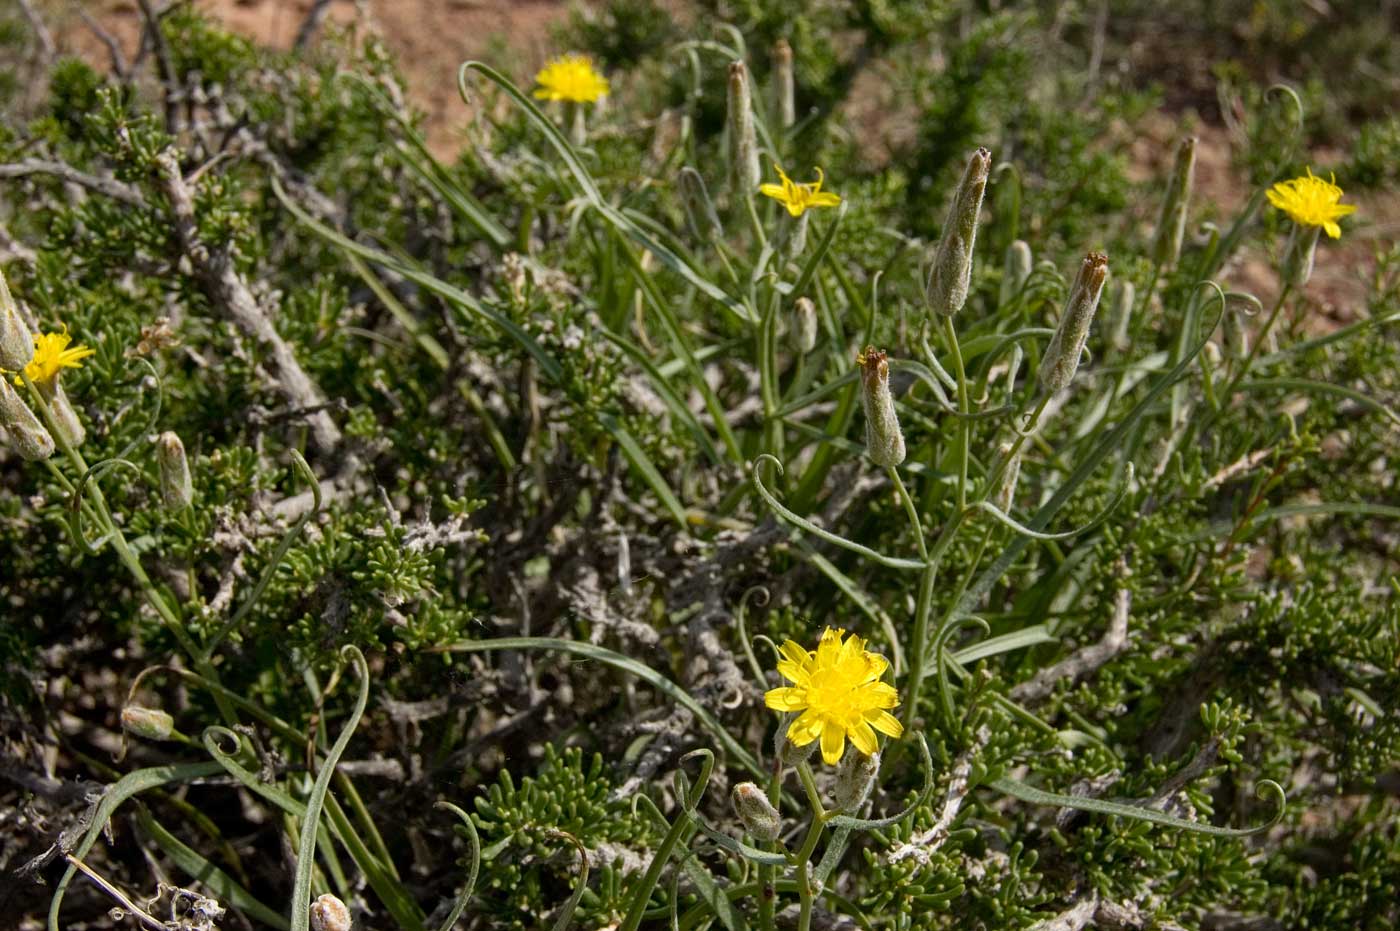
1299 254
758 815
176 489
1006 489
65 418
1017 270
1067 345
328 913
700 213
948 279
804 325
16 342
743 140
147 723
1120 314
787 752
27 436
855 777
883 438
1234 333
784 85
1171 225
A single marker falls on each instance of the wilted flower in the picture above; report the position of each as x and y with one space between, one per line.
837 688
799 197
1067 345
571 78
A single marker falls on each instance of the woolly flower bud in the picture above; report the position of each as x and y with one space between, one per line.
743 140
758 815
854 779
883 438
948 279
1171 225
787 752
1067 345
329 914
16 342
1234 333
1299 254
784 85
700 213
27 436
65 418
176 490
804 325
147 723
1017 270
1120 314
1006 490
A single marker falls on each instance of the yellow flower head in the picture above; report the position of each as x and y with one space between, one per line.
52 355
1310 201
837 688
572 78
798 197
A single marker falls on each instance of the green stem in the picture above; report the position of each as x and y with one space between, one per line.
1259 340
911 510
806 894
964 407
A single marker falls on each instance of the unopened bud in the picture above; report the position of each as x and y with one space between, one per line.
1120 314
804 325
16 341
700 213
758 815
1212 354
1017 270
329 914
794 234
1011 474
1171 225
784 85
176 489
743 140
147 723
855 777
883 438
951 273
65 418
1067 345
1299 254
1235 333
787 752
27 436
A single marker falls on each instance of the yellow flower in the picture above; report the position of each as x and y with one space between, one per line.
1310 201
838 690
572 78
52 355
798 197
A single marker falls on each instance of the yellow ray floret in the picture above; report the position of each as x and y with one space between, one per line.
1310 201
52 354
837 688
797 197
572 78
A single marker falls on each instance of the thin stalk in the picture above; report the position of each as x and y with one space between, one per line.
1259 340
806 894
964 407
911 510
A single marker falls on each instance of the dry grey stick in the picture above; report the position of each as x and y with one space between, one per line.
1084 661
921 845
229 293
41 32
312 22
114 49
1074 918
109 187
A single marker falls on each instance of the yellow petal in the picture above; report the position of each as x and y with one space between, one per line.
864 739
785 699
885 723
794 207
880 695
793 651
824 199
877 665
793 672
805 729
833 742
1333 230
774 191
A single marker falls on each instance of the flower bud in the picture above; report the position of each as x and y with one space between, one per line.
700 213
948 279
855 777
1299 253
176 489
883 438
1011 474
16 342
1067 345
1017 270
804 325
65 418
787 752
147 723
27 436
743 140
1171 225
784 86
1120 314
758 815
794 235
1234 333
328 913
